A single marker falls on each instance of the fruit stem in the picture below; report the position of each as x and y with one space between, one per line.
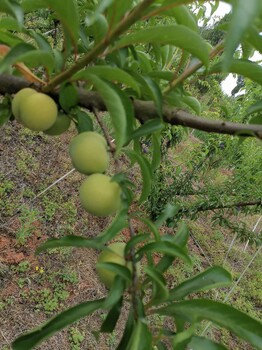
109 141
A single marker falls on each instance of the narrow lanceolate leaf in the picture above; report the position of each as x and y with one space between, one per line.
120 270
221 314
115 107
169 212
156 149
200 343
182 235
160 292
141 338
5 113
246 68
28 54
127 332
64 319
119 223
111 319
13 9
115 293
244 14
149 127
183 16
66 11
32 5
68 97
83 120
69 241
113 74
257 107
177 35
145 171
255 39
214 277
167 248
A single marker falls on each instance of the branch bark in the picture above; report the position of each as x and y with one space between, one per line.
257 202
144 110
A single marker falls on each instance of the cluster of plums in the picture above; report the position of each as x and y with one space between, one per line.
88 151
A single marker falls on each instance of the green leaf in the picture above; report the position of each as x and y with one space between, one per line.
119 223
246 68
221 314
112 317
257 107
149 224
182 235
142 237
193 103
254 38
83 120
115 107
13 8
213 277
69 241
9 39
167 248
115 13
183 16
160 292
148 128
120 270
100 28
145 171
129 109
244 14
169 212
64 319
29 55
156 145
67 12
177 35
116 292
5 113
156 94
127 332
68 97
141 338
108 73
164 75
32 5
181 339
9 23
200 343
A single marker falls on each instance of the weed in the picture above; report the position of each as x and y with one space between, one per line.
27 219
76 338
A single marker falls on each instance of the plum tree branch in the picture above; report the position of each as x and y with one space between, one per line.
257 202
144 110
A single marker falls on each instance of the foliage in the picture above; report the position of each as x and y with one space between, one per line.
150 52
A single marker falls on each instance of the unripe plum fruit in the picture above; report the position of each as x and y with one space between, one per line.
88 153
113 254
99 195
38 112
61 124
18 99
